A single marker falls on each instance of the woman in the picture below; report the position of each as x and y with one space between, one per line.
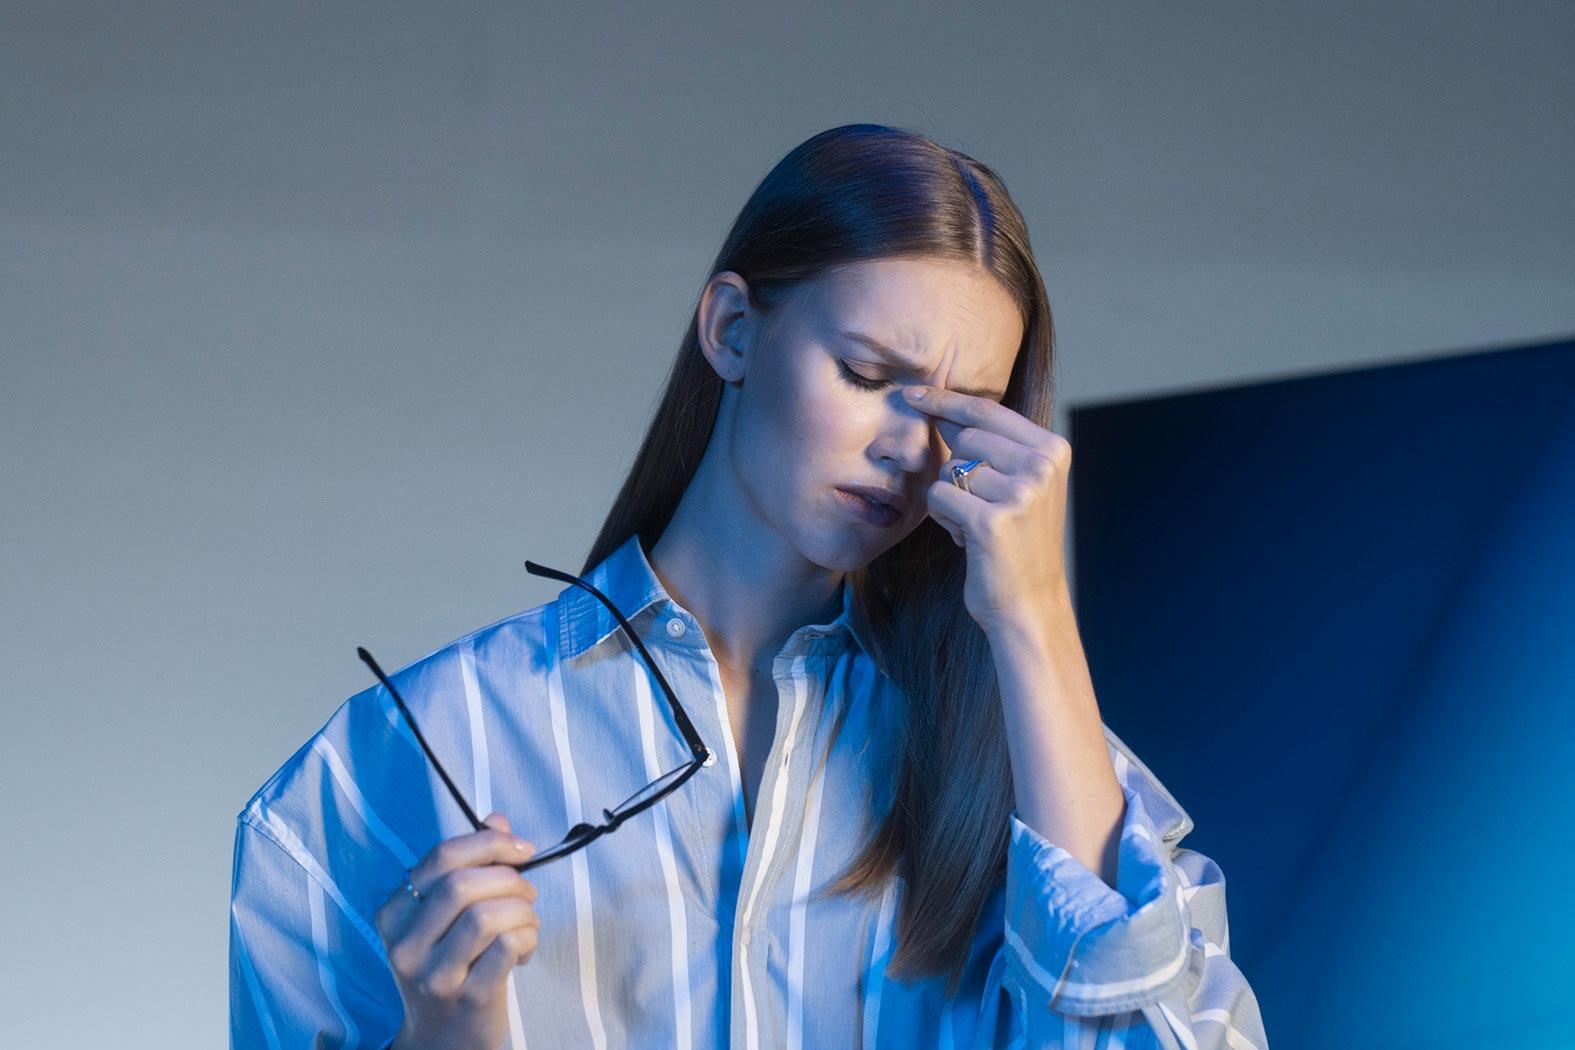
911 827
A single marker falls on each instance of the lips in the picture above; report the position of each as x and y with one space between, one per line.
894 500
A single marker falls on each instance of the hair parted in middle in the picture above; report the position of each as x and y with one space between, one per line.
853 193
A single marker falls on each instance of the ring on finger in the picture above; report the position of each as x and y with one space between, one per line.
410 888
960 472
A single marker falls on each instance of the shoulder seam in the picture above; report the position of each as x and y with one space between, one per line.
534 612
308 864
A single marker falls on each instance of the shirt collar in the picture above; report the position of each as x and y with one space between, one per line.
625 576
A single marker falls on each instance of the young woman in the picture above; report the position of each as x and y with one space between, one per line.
899 821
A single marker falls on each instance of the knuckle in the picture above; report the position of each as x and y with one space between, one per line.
473 920
475 994
463 882
1058 447
513 940
529 938
444 893
402 959
431 986
498 913
457 887
443 856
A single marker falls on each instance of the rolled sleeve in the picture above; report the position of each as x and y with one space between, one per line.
1145 963
1073 938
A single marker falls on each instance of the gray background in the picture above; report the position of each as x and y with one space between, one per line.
318 320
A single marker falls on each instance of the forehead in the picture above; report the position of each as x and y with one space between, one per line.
925 309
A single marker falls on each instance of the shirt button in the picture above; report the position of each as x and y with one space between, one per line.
710 759
675 627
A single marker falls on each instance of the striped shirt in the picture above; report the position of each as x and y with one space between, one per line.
690 926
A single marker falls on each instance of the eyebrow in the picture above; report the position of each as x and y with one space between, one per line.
906 367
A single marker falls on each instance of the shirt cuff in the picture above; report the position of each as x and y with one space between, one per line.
1078 945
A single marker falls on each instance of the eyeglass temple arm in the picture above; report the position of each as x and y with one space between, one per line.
684 725
470 814
691 735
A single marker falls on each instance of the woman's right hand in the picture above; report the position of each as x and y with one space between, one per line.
452 952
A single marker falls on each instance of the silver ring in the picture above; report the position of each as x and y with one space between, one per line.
960 474
410 888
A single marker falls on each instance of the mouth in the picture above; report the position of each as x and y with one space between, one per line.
869 508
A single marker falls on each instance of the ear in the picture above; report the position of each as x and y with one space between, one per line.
726 324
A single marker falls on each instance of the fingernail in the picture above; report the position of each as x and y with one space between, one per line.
521 845
915 393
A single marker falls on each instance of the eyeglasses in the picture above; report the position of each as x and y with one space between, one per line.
581 835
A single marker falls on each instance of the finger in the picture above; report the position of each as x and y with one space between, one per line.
481 984
1001 452
475 928
953 507
489 968
494 844
457 891
975 412
942 518
395 914
945 521
401 908
508 949
985 481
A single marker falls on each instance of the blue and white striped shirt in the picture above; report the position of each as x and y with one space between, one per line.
688 927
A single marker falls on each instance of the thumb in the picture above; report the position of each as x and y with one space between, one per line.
499 821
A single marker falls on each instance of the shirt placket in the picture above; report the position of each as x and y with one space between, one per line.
758 1003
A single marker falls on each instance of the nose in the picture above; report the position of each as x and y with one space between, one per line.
915 442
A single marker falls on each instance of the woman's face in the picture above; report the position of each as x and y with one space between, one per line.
820 411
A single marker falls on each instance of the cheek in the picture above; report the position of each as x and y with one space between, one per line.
836 422
808 431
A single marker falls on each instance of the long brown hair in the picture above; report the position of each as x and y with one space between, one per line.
851 193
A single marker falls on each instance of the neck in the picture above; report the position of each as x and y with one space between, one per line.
746 585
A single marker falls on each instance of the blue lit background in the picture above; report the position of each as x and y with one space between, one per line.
1336 616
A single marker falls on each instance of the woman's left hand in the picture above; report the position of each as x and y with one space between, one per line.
1012 522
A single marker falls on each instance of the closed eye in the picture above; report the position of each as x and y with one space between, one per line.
862 382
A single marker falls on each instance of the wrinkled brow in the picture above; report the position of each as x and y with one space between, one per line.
909 368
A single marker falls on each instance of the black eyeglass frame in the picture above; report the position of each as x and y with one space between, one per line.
582 834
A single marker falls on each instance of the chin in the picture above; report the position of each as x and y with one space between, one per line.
846 550
836 555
